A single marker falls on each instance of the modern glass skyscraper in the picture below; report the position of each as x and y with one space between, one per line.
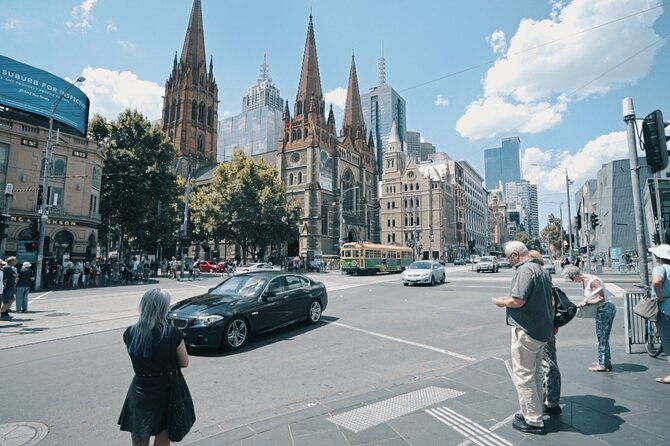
382 106
503 164
256 130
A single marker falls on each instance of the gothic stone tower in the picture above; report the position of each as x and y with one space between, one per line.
306 158
191 100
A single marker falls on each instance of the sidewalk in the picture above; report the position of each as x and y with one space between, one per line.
476 405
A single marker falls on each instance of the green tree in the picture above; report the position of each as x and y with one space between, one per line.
245 204
552 233
524 238
139 193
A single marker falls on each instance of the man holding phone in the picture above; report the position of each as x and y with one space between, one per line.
529 313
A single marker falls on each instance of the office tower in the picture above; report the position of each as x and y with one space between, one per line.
503 164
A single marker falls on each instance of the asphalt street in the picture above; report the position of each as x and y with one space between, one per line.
65 365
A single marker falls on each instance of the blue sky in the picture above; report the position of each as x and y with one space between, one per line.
552 72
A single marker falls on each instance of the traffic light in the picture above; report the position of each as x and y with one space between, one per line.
34 229
4 224
594 221
30 246
40 196
655 146
578 221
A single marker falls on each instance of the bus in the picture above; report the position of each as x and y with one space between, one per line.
370 258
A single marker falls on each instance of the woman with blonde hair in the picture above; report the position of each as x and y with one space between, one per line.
157 351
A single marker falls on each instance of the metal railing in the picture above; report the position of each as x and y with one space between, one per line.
635 327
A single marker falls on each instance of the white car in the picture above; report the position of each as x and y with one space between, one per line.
254 267
424 271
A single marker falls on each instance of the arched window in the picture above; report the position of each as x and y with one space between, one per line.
59 168
417 186
210 116
299 177
417 221
290 179
416 202
347 183
405 188
201 112
299 107
194 110
411 187
201 144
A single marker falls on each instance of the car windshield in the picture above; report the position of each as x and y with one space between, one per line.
420 265
241 286
486 259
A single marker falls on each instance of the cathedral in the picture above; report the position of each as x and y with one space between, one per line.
332 178
191 100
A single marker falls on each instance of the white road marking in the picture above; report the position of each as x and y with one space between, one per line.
389 409
404 341
472 431
38 297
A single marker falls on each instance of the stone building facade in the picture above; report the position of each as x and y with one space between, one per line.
320 168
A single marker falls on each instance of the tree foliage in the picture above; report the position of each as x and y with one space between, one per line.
524 238
140 193
245 204
552 233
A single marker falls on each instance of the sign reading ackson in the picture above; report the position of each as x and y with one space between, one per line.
36 91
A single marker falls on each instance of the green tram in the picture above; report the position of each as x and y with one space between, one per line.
371 258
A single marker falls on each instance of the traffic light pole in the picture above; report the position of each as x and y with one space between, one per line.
659 213
184 226
4 219
629 119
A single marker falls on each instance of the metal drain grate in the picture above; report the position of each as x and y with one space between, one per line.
365 417
469 429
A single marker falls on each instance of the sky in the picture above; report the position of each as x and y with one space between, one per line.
552 72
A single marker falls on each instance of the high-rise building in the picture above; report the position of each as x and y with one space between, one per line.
319 168
503 164
426 149
527 196
382 106
191 100
413 144
256 130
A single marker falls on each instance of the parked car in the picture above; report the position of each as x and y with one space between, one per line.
254 267
207 267
504 263
487 263
247 304
424 271
549 265
459 261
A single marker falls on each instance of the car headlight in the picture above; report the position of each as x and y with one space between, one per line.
207 320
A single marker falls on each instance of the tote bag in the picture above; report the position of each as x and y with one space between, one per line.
181 413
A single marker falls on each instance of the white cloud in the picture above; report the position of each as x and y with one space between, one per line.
82 15
550 63
337 97
112 91
128 45
9 24
441 101
226 114
498 41
582 165
111 27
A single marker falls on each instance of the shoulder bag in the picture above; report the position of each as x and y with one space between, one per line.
181 413
646 307
564 308
587 310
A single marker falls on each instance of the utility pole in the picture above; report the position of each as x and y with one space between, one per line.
629 119
184 226
7 206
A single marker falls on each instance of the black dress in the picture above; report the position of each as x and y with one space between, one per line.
145 410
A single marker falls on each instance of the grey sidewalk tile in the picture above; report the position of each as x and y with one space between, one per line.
498 409
421 429
277 437
475 378
392 442
312 425
330 438
270 423
227 437
380 432
655 422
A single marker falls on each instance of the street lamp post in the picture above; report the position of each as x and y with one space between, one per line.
343 193
567 192
45 183
560 213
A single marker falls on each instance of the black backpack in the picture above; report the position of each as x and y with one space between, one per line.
564 308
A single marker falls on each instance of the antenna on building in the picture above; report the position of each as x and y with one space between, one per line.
265 70
381 66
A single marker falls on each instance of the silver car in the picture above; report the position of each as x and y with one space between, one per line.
424 271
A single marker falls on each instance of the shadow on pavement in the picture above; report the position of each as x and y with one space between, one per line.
627 367
591 415
261 340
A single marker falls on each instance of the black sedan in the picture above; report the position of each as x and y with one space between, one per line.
248 304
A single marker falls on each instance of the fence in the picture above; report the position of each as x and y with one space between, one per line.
634 326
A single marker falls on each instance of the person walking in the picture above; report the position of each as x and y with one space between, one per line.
156 351
173 268
595 293
660 283
78 269
9 276
23 287
529 312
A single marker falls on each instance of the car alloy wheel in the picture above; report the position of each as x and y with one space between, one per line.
315 312
236 333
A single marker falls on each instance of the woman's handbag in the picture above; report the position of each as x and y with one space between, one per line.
587 311
564 308
181 413
646 308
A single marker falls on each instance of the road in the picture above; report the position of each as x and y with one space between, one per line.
66 366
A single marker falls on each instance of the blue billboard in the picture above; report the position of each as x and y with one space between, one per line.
32 90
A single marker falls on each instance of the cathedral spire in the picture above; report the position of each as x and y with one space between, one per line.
394 139
310 80
194 44
353 123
